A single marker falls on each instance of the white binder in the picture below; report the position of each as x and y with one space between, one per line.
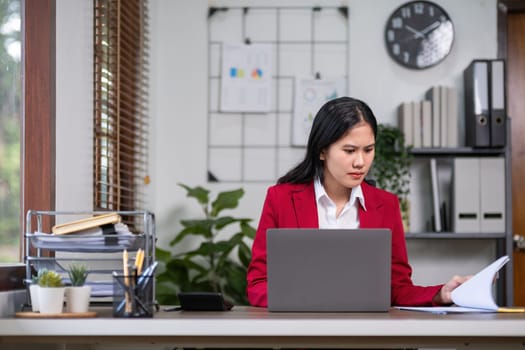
466 195
492 190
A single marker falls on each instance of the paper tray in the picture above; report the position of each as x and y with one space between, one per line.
88 243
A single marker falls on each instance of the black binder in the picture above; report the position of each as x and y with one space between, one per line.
477 110
498 114
485 112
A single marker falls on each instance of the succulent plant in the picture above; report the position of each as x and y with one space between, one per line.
50 278
35 278
78 274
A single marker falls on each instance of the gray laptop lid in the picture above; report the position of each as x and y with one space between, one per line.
333 270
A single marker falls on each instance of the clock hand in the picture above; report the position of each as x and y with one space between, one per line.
431 27
416 32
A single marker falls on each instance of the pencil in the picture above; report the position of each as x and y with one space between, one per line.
126 280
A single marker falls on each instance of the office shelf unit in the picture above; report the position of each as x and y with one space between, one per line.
101 253
503 240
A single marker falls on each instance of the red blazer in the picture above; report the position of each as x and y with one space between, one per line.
294 206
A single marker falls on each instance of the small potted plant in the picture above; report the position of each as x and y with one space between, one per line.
78 294
33 290
51 292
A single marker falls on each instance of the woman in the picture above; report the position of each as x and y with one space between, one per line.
327 190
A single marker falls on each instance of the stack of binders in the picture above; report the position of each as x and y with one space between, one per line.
485 111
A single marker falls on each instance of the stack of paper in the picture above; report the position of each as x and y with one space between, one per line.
475 295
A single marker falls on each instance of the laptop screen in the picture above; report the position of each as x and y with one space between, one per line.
333 270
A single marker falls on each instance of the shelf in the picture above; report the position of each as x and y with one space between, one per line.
454 235
460 151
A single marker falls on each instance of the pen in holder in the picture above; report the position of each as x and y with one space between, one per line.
133 295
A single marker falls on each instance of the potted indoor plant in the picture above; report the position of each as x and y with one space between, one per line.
216 265
50 292
77 294
33 290
391 167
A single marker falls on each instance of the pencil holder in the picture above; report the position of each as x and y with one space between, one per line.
133 296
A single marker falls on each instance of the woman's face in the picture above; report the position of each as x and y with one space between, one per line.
348 160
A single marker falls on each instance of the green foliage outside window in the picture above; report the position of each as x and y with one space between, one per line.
10 101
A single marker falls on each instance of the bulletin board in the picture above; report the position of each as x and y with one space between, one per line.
308 43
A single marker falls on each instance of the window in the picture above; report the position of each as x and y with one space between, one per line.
10 100
121 104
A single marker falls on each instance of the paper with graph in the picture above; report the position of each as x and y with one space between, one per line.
310 95
246 78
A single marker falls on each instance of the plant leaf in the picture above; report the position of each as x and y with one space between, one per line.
247 229
199 193
194 227
226 200
244 253
162 255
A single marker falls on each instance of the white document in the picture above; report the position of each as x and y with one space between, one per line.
310 95
475 295
246 78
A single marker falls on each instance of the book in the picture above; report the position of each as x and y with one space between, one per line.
405 121
432 95
416 126
443 115
86 223
474 295
453 118
426 123
435 195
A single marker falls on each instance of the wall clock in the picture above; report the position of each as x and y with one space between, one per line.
419 34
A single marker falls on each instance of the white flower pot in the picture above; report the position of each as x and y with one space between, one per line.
51 300
77 299
33 293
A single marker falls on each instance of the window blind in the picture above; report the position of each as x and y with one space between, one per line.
121 104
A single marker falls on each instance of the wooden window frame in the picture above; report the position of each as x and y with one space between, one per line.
38 123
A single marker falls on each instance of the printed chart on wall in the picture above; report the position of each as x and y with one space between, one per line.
310 95
246 84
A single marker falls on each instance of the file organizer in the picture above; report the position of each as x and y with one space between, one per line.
102 253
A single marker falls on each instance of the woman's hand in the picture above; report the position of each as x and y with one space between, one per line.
443 297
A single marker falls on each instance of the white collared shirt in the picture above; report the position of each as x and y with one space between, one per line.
326 208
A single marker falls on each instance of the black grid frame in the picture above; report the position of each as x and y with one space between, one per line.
322 51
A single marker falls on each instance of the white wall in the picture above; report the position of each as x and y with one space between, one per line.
74 105
179 106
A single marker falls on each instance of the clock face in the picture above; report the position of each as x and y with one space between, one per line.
419 34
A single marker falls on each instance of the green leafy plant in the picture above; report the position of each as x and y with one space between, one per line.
391 167
215 265
50 278
78 274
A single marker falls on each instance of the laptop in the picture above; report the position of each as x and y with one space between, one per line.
328 270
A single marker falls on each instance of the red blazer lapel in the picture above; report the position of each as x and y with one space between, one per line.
305 206
370 217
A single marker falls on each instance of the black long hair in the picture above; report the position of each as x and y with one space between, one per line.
333 120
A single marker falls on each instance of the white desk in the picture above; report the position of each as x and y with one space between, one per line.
254 327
